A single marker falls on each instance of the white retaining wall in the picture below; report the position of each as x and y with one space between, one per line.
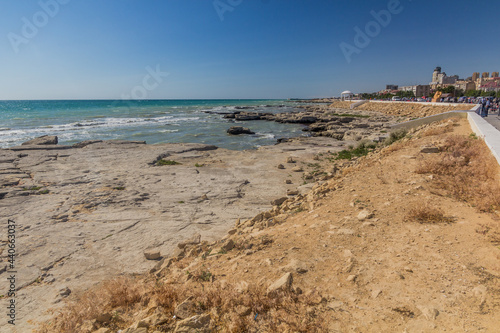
485 130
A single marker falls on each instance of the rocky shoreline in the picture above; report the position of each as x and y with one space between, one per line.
323 120
101 209
95 210
357 252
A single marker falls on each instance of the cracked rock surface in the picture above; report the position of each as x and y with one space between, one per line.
84 215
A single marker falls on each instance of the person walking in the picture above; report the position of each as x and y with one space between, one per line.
479 110
482 107
487 107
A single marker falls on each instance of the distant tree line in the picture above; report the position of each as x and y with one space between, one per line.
447 90
477 93
468 93
407 94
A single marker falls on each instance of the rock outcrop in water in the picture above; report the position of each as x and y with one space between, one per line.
237 130
43 140
321 120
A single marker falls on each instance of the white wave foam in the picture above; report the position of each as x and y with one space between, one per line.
266 135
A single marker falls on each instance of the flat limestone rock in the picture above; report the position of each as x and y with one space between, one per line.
283 283
194 324
42 140
107 204
365 214
190 241
85 143
39 147
152 254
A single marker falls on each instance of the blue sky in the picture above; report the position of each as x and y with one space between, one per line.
86 49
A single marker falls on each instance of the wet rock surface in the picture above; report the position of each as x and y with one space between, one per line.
323 120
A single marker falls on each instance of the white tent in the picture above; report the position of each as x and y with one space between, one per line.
346 95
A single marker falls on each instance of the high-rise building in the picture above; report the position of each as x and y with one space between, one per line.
485 75
494 74
475 76
435 74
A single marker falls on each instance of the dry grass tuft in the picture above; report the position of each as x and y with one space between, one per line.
492 232
341 104
426 213
280 312
395 147
120 293
466 170
439 130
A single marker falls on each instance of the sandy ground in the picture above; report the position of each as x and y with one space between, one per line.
412 110
380 272
341 104
407 109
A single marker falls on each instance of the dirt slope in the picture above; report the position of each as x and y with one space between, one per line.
412 110
359 259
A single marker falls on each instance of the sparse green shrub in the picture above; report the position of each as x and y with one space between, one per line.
204 276
166 162
395 136
361 150
32 188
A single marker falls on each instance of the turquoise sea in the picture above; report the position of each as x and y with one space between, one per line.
153 121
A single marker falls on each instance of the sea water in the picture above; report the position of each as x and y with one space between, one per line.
153 121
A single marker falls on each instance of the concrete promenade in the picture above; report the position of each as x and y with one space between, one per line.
494 120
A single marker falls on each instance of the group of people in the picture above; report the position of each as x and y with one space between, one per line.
488 104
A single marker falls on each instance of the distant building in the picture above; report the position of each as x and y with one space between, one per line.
492 85
439 78
478 81
465 85
418 90
391 87
450 79
435 74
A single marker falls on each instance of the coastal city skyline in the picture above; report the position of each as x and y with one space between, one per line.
63 49
484 82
